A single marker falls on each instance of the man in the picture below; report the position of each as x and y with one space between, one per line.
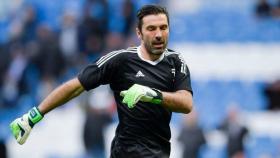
235 131
149 83
191 136
263 9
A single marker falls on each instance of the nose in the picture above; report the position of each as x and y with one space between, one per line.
158 38
158 35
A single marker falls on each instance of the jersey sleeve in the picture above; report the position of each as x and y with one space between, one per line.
101 72
182 75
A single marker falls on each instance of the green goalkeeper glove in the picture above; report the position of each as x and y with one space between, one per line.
141 93
21 127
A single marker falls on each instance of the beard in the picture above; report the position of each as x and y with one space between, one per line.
155 47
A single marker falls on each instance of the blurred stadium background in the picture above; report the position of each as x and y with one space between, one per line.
232 52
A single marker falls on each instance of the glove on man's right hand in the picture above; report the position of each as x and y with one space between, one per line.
21 127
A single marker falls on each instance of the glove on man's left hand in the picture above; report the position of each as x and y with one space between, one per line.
141 93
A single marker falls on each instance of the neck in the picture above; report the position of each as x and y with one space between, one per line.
146 55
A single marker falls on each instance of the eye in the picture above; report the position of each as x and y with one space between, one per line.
151 28
164 27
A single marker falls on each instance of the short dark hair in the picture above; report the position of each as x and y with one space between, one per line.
150 10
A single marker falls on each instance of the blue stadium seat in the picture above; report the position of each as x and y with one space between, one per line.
259 146
212 98
213 152
227 25
3 31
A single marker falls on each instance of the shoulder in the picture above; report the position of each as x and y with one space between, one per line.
122 53
177 59
127 53
175 56
117 55
170 53
131 49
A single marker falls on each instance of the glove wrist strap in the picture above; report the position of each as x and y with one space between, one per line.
34 115
158 99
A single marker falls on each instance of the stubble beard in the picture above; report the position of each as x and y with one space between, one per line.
154 51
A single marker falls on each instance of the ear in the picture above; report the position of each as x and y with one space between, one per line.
138 33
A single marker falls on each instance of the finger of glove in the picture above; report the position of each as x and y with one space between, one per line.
123 93
18 131
135 98
15 128
21 129
146 98
22 140
24 132
125 97
127 100
151 93
130 97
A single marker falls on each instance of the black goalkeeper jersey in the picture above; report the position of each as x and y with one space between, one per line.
143 131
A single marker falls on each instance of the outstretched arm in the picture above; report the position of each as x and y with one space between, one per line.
21 127
61 95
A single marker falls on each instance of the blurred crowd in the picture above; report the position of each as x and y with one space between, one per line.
36 56
265 9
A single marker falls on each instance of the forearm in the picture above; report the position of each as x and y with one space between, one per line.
61 95
180 101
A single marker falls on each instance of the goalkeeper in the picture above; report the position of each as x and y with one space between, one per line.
149 82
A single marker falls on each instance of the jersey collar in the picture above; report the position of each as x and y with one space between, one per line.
148 61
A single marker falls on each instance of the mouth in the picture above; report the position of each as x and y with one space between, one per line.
158 45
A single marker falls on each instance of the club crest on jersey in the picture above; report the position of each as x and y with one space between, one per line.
173 72
139 74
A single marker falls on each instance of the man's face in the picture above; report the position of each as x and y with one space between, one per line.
154 33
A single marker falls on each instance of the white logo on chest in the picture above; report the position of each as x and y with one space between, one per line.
173 72
139 74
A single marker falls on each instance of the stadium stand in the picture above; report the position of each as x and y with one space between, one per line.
215 21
